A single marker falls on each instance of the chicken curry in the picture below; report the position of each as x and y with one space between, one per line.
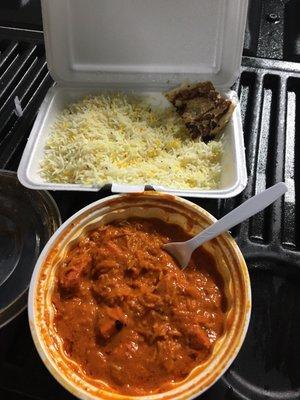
127 313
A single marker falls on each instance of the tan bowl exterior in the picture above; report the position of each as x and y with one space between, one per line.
171 209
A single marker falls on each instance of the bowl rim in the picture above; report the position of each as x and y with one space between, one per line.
71 386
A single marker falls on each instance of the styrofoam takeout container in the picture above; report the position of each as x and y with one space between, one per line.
146 47
170 209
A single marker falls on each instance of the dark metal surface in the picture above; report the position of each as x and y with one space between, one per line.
23 73
268 365
273 30
24 14
28 218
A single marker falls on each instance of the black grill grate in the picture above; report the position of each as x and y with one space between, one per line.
23 73
271 115
267 366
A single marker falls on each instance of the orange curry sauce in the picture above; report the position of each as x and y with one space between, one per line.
126 312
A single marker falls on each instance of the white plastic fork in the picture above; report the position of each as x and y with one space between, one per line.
182 251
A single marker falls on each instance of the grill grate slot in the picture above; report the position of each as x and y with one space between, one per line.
251 112
291 212
250 89
260 225
246 91
288 232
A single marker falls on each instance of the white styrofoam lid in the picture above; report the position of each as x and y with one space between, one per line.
144 41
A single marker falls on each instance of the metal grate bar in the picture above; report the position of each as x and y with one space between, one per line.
7 115
15 71
16 137
8 53
288 228
251 89
264 165
277 155
23 73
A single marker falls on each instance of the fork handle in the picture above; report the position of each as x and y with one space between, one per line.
244 211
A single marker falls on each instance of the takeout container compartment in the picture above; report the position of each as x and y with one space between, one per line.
233 178
168 208
144 47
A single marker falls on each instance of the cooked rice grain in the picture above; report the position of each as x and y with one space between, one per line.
123 139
